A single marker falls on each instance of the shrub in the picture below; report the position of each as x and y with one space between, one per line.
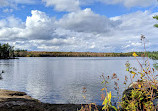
141 94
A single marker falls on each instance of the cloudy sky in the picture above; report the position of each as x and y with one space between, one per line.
79 25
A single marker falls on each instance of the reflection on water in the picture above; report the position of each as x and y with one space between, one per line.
60 80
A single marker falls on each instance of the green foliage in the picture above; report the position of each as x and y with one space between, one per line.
153 55
140 95
156 25
156 17
6 51
133 102
107 103
20 53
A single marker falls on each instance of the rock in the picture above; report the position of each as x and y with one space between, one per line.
7 95
20 101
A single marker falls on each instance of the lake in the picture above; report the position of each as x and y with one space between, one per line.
60 80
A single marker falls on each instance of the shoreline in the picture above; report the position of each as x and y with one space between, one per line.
17 101
8 58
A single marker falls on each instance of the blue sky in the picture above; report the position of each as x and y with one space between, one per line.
79 25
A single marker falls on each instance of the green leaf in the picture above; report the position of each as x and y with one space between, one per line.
156 25
114 108
156 17
127 69
102 82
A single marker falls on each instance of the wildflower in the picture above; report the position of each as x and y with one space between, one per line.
134 54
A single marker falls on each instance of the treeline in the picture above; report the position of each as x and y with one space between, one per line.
25 53
153 55
6 51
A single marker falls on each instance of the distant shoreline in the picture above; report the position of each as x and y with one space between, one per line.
69 54
8 58
24 53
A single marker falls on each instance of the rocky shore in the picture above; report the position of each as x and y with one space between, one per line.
20 101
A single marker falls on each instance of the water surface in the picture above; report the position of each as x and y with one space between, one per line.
60 80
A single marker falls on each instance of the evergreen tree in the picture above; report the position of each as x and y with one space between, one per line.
6 51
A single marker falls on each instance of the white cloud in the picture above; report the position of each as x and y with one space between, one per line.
135 24
39 26
38 22
73 5
130 3
11 22
126 3
25 1
3 23
80 31
86 21
14 3
7 10
63 5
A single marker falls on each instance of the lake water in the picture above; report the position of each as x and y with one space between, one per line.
61 80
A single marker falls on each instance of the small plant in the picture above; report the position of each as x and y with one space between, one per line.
88 107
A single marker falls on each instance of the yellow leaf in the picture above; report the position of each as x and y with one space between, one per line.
84 97
102 89
134 54
133 72
133 75
139 86
104 107
109 96
105 101
93 103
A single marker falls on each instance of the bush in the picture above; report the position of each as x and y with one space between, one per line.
141 94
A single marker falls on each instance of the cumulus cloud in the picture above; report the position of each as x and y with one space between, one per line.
80 31
9 28
73 5
38 22
135 24
130 3
126 3
86 21
38 30
39 26
63 5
